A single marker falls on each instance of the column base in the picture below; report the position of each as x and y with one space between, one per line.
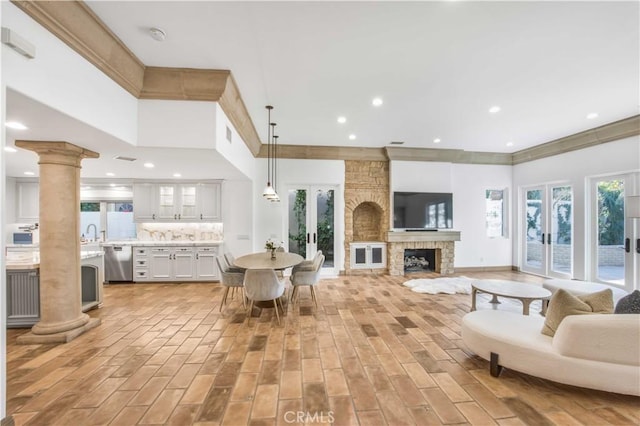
62 337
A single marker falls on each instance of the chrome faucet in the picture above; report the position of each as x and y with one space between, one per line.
95 231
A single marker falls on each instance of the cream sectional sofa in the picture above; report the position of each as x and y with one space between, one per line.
600 351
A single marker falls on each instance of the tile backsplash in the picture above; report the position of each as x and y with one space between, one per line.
180 231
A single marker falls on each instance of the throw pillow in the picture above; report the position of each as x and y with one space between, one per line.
563 303
630 304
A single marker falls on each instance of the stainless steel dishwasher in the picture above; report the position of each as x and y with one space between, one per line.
118 263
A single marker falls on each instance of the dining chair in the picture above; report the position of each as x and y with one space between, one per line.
307 277
230 280
230 261
261 285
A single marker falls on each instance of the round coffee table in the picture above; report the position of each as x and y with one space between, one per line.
526 293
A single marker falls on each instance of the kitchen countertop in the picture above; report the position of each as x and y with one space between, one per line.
162 243
31 259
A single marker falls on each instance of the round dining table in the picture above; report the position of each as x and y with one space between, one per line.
263 260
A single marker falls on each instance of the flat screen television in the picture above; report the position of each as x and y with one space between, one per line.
422 210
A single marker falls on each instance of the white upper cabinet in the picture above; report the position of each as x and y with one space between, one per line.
144 202
209 208
171 202
28 202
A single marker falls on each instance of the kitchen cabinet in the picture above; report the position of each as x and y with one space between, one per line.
141 264
368 255
209 205
175 263
144 202
28 210
206 267
172 263
171 202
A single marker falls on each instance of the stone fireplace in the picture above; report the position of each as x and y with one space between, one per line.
366 213
442 242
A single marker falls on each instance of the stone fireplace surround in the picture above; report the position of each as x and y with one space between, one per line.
441 241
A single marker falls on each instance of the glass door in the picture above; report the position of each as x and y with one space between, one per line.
311 223
548 231
608 256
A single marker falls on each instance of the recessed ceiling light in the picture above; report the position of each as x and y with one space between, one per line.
110 174
509 143
376 101
352 136
112 185
342 120
494 109
15 125
436 140
86 187
149 165
157 34
177 175
592 115
10 149
29 173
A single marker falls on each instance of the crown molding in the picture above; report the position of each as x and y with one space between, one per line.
447 156
318 152
610 132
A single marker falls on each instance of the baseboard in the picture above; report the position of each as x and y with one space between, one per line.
484 268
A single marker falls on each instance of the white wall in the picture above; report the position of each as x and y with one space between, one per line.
237 211
61 79
170 124
270 218
574 168
236 151
468 183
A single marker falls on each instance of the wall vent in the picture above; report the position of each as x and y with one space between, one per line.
228 134
123 158
396 142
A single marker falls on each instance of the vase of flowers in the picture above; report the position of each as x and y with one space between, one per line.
272 246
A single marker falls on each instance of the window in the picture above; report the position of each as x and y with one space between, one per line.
115 218
495 205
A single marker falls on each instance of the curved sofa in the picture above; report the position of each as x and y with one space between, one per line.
599 351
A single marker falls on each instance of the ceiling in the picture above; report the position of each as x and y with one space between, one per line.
438 67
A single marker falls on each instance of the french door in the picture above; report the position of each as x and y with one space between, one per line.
548 230
614 235
311 223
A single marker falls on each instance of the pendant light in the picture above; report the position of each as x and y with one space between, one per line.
276 197
268 191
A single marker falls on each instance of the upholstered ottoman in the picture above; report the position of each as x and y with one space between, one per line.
580 288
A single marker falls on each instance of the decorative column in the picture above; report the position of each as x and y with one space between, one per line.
61 316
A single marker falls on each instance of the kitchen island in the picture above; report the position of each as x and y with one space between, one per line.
23 285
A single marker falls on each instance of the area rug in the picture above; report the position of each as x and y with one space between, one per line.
450 285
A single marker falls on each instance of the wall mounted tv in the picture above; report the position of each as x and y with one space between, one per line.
422 210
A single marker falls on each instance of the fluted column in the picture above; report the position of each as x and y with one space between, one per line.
61 316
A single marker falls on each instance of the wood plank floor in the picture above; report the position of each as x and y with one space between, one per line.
372 353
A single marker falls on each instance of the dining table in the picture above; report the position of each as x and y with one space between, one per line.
263 260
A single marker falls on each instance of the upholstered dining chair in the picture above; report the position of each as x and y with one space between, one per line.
261 285
302 275
230 280
230 261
